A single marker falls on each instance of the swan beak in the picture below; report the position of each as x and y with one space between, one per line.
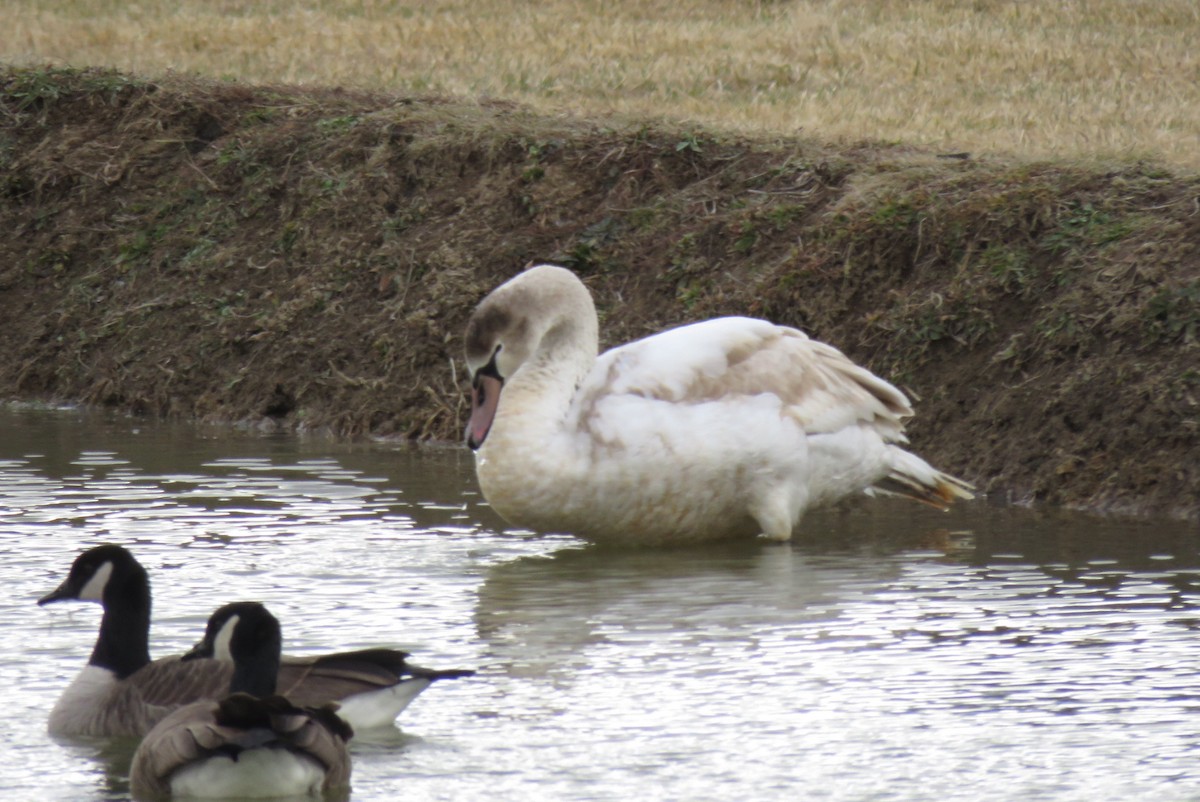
485 396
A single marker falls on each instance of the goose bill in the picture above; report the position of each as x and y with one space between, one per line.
61 592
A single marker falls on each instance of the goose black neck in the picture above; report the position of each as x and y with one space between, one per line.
256 674
123 645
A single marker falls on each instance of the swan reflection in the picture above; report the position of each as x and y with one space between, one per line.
556 614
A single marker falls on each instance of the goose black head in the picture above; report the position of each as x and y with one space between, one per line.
101 574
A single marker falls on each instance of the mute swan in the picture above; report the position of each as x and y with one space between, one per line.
122 692
252 743
729 427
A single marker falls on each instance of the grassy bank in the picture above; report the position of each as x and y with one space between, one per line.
1104 77
308 258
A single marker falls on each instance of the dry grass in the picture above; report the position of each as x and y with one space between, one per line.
1074 78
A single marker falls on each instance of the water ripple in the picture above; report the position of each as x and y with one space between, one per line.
883 655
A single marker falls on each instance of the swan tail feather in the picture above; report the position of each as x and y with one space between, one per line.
913 478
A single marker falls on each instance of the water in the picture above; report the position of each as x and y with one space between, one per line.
892 652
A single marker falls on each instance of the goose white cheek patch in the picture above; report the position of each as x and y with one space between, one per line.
224 636
94 589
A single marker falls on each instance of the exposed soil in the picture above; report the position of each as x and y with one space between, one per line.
307 258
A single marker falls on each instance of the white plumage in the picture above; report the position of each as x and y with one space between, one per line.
728 427
255 774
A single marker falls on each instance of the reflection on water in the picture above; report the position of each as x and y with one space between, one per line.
890 652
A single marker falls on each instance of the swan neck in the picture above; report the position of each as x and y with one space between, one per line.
536 399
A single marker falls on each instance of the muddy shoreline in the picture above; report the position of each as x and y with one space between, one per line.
306 259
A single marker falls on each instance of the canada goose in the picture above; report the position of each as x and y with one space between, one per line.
342 676
724 428
122 692
252 743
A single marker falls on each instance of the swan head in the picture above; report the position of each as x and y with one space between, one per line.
538 314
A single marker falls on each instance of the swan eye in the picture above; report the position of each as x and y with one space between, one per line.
490 368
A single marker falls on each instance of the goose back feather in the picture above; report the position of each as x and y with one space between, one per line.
252 743
372 686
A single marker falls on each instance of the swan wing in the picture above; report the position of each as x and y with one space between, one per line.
729 358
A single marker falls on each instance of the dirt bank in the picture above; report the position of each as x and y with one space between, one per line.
224 252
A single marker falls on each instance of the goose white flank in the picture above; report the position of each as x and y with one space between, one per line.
730 427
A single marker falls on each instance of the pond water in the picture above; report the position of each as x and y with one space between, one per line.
890 652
